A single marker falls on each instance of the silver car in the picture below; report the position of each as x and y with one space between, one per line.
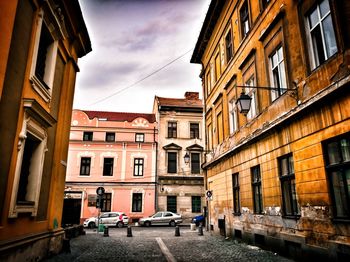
161 218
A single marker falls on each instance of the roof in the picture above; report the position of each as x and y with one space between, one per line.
120 116
179 104
209 23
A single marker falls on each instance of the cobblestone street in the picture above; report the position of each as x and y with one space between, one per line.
160 244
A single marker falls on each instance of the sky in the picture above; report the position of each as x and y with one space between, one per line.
140 48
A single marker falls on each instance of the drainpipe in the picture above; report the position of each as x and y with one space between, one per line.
156 172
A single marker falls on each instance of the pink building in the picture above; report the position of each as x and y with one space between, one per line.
116 151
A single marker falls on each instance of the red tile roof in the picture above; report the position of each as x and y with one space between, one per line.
120 116
179 102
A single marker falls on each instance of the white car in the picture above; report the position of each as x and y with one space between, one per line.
161 218
90 222
118 219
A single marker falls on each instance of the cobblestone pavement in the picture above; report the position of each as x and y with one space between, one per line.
144 246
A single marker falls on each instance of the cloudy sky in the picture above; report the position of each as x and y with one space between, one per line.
141 48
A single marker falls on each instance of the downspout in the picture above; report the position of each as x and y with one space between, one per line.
156 173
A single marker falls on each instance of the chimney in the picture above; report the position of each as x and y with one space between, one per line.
192 95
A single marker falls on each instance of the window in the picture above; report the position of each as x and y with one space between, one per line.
337 158
195 163
138 167
85 166
44 59
87 136
137 202
171 204
219 128
172 162
217 67
194 130
287 178
92 200
106 202
108 166
244 16
140 137
233 117
236 200
252 93
277 73
32 145
172 129
256 188
322 42
208 78
210 136
110 137
196 204
31 149
264 3
228 46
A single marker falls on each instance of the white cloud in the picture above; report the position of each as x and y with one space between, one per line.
130 40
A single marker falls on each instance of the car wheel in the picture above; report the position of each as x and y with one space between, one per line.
147 223
172 223
92 225
120 224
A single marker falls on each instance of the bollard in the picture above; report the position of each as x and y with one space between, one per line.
105 232
200 230
129 234
177 231
66 245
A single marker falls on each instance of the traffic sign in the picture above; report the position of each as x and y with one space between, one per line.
209 195
100 191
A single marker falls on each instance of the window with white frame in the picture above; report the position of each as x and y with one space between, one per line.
321 35
252 93
108 163
137 202
85 166
233 116
138 167
277 73
44 59
32 147
244 18
228 46
140 137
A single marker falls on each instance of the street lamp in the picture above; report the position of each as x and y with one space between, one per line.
187 158
244 101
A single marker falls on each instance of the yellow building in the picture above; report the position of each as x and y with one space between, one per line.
40 44
280 172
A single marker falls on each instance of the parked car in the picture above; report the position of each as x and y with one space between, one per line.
90 222
118 219
161 218
199 220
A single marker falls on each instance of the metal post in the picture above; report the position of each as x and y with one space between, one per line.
177 231
129 232
105 232
200 230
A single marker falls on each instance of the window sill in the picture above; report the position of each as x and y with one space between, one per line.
341 220
295 217
40 88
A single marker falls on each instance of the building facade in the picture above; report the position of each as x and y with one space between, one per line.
116 151
40 44
180 127
279 173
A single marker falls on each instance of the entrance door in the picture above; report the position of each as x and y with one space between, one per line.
71 211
